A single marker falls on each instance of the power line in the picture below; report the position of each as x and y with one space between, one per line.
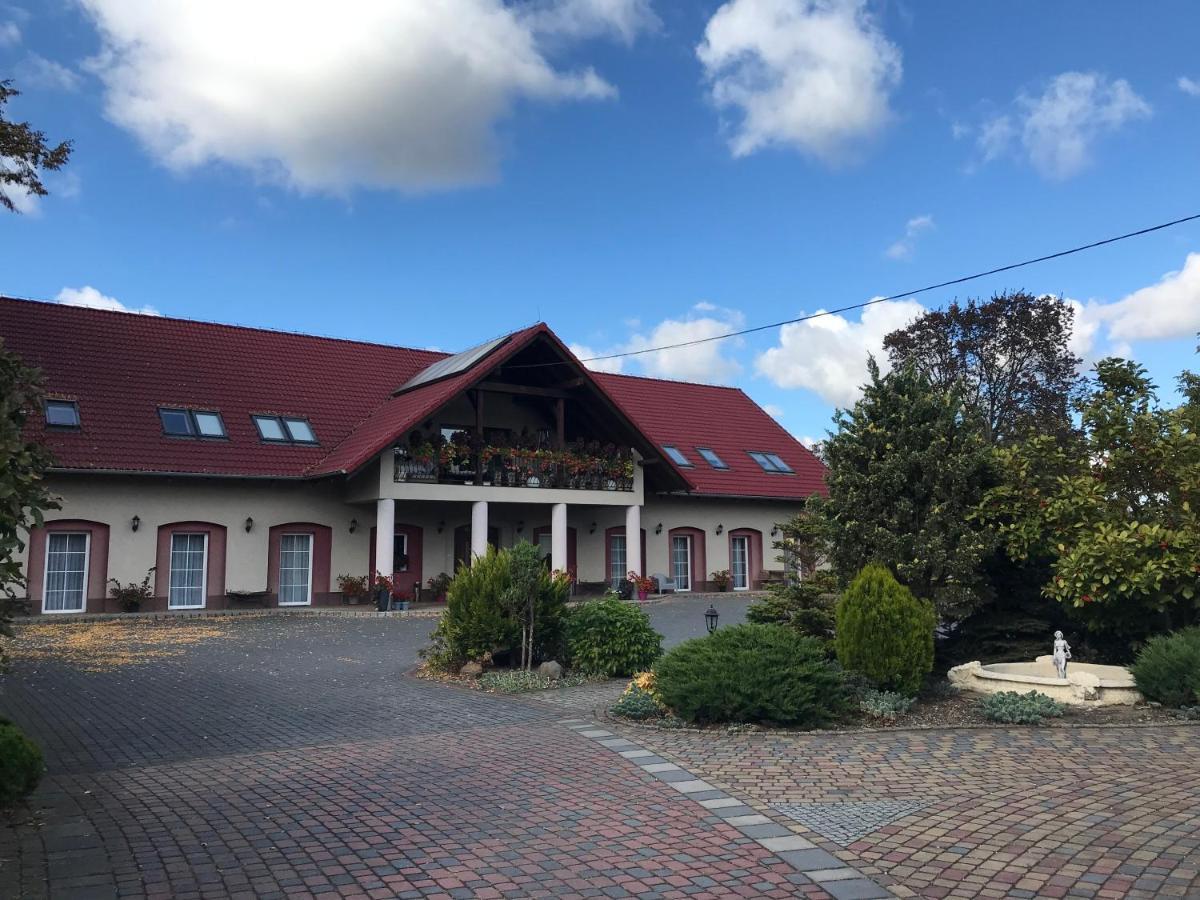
900 296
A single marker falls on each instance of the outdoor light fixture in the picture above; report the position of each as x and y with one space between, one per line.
441 526
353 525
249 523
710 618
135 522
775 531
592 530
520 526
720 528
658 528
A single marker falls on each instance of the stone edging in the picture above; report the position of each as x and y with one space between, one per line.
607 716
812 864
162 616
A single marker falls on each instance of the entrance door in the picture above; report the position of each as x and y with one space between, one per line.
681 561
739 562
66 573
462 543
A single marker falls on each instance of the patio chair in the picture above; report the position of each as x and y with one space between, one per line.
664 583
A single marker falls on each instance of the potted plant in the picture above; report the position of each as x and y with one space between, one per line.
644 584
354 588
383 592
721 579
438 586
402 598
130 597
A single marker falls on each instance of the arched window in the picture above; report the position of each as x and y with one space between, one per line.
190 565
68 566
298 555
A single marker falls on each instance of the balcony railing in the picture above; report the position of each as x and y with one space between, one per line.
515 467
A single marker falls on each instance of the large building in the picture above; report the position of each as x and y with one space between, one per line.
240 461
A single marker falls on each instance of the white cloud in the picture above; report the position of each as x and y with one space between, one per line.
903 248
10 34
1058 128
383 94
708 362
22 200
814 75
1189 86
829 354
1168 309
90 297
623 19
39 72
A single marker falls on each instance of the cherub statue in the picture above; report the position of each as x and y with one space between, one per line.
1062 652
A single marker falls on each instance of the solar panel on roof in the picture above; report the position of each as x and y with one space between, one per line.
453 365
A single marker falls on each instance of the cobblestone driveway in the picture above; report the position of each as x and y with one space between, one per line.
292 759
1112 812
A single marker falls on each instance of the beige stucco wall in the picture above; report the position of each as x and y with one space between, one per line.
114 500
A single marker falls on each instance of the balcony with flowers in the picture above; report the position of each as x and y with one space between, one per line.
578 465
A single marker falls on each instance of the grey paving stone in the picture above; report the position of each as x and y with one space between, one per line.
855 889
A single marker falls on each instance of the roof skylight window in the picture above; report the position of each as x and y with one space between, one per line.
676 455
710 457
284 429
62 413
197 423
770 462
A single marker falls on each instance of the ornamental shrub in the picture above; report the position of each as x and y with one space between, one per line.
20 764
887 706
884 632
475 622
611 638
637 704
1167 670
751 673
1019 709
805 606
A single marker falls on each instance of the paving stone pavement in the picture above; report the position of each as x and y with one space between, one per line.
1020 812
293 758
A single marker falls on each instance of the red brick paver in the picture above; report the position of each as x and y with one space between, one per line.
1018 812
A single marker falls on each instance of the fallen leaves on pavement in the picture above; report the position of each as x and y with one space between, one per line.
101 646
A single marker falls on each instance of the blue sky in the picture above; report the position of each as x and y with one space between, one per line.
627 170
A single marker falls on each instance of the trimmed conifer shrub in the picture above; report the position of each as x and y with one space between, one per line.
20 764
1167 670
751 673
884 632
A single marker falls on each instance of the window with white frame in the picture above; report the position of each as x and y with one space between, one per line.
617 560
681 561
295 569
66 572
189 571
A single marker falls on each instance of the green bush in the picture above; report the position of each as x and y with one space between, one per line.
806 607
884 632
751 673
887 706
637 704
485 611
609 637
20 764
1167 670
1019 709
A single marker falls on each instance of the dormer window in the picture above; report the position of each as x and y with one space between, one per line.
710 457
770 462
284 430
676 455
62 413
194 423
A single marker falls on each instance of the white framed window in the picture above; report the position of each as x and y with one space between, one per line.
681 561
65 585
739 562
400 558
617 571
545 544
295 569
188 585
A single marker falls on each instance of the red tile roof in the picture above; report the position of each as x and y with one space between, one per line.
121 367
722 419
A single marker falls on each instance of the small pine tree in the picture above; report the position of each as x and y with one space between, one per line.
884 632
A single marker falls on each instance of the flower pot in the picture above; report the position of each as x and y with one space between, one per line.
383 599
642 596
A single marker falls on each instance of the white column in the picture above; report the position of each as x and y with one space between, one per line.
558 537
633 538
479 528
385 530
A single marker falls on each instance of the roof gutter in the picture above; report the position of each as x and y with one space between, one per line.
59 470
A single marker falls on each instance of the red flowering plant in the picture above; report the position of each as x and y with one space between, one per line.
382 582
641 582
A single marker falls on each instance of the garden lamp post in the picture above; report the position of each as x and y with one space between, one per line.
710 618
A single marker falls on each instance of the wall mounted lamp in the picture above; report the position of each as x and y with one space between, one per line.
520 526
775 531
353 525
658 528
249 523
592 529
441 526
135 522
720 528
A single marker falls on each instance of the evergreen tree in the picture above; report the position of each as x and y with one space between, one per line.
907 466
